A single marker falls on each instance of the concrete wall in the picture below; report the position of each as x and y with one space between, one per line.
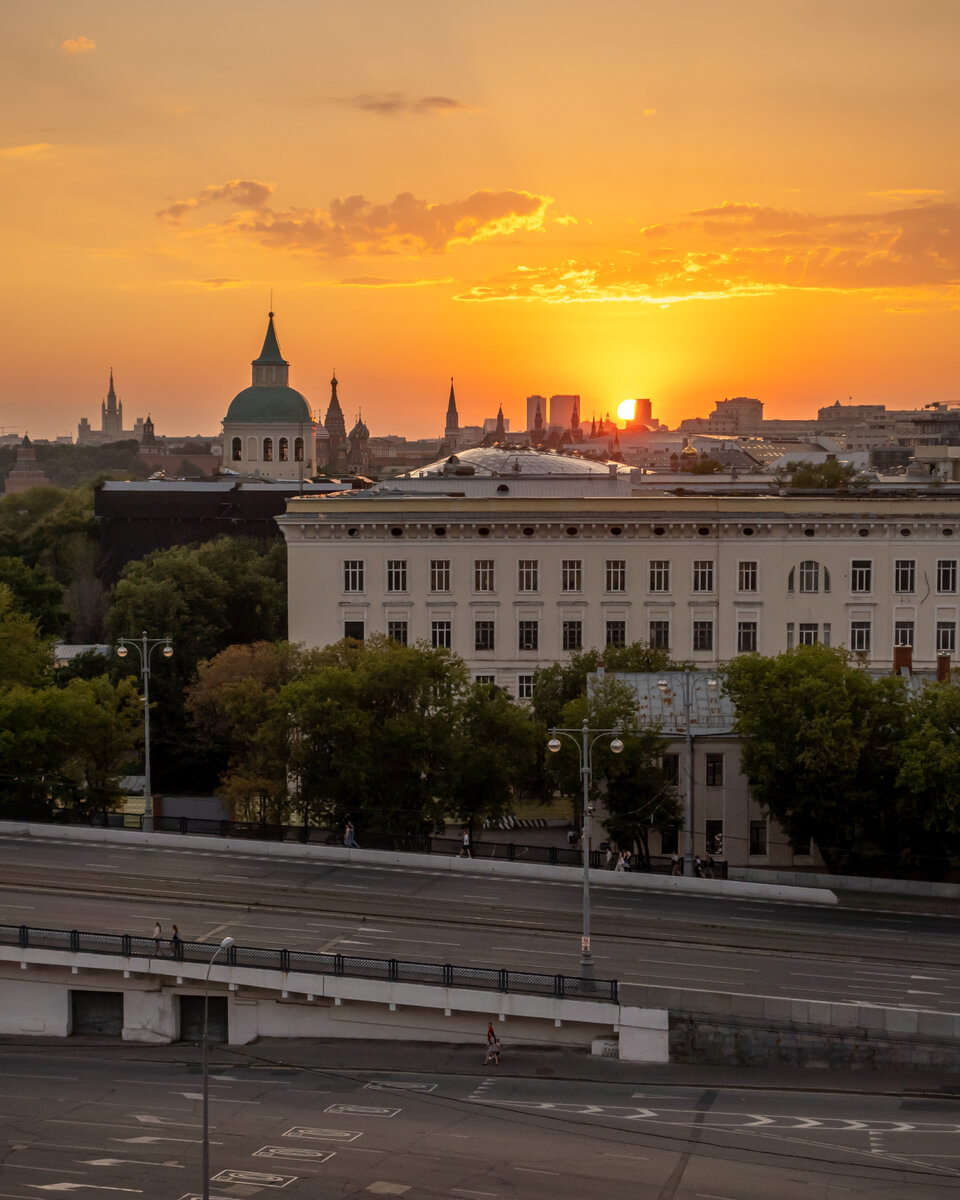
34 1007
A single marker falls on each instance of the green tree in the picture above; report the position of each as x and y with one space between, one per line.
929 772
36 592
558 684
820 747
830 474
25 655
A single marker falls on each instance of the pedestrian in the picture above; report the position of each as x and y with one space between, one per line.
157 935
493 1053
677 866
698 868
610 863
621 864
627 860
465 845
176 945
491 1036
349 839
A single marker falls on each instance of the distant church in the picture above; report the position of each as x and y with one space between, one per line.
111 423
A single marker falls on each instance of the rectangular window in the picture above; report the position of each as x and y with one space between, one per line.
713 837
396 575
903 633
714 767
441 634
659 575
571 575
789 635
524 687
671 768
810 576
440 575
947 575
353 575
485 678
353 629
616 575
747 577
758 837
809 634
616 633
483 635
483 575
573 635
660 635
946 637
861 575
860 635
528 635
528 575
703 575
746 637
397 631
703 635
904 575
826 633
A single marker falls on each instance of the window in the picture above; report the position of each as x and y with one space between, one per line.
353 575
284 449
904 575
440 575
528 575
946 637
746 637
670 764
524 687
809 634
353 629
483 575
573 635
571 575
659 575
703 635
947 575
790 635
903 633
298 449
440 634
703 575
616 633
487 679
396 574
714 767
747 577
483 635
397 632
860 635
237 450
616 580
861 575
809 576
529 635
713 837
660 635
826 633
758 837
268 449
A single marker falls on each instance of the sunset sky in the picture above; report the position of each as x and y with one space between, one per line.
685 201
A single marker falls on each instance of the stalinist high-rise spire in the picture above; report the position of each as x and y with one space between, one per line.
111 414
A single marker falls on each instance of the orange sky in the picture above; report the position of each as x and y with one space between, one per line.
683 201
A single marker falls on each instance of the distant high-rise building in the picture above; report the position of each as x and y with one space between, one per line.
561 411
535 403
111 422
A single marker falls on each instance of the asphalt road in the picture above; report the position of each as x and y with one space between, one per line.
840 954
122 1122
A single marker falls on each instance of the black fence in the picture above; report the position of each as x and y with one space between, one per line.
563 856
491 979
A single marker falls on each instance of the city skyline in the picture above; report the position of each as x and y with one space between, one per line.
684 204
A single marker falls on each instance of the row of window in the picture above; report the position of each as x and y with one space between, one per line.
266 454
810 576
702 634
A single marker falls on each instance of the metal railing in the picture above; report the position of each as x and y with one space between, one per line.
563 856
492 979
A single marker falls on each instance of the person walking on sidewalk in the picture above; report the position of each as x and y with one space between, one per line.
157 935
176 945
465 845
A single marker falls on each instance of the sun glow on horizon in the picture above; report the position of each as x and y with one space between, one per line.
627 410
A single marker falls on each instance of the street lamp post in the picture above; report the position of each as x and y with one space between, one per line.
145 648
585 739
227 942
688 682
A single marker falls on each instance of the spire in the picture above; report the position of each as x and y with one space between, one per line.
453 417
271 368
333 422
538 418
575 414
501 434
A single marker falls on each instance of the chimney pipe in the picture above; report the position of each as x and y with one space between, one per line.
943 668
903 660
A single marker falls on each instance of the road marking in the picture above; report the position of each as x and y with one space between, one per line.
535 1171
72 1187
262 1178
628 1157
150 1141
118 1162
327 1135
301 1152
220 1099
387 1085
362 1110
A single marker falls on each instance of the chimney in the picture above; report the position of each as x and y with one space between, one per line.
903 660
943 668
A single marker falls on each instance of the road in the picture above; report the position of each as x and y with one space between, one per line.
838 954
117 1123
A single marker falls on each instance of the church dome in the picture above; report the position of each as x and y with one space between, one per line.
269 404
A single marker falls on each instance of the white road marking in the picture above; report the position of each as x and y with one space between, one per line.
220 1099
535 1171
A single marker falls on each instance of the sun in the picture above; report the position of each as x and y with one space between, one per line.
627 410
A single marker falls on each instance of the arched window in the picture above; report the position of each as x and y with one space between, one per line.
268 449
283 448
298 449
237 450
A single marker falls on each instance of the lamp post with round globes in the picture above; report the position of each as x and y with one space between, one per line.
585 739
205 1136
688 682
145 647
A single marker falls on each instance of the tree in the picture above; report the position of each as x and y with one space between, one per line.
557 685
36 593
929 772
826 475
820 748
25 655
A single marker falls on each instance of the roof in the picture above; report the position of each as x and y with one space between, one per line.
269 403
513 461
270 354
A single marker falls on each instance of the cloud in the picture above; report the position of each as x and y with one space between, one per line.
78 45
907 193
248 192
377 281
33 151
396 104
354 225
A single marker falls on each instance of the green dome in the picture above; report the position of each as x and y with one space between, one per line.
265 403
